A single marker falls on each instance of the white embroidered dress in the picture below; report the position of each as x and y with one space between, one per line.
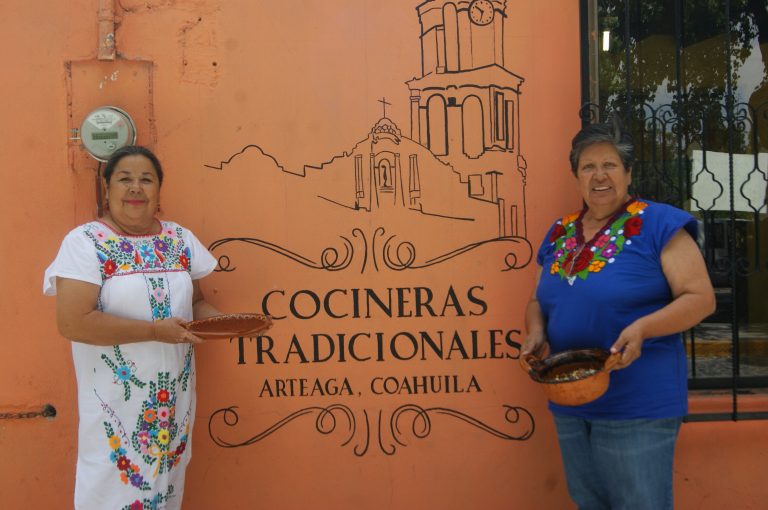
136 401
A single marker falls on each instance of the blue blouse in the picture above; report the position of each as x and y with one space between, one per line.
590 290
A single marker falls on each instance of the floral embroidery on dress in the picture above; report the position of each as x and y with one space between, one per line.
574 259
124 372
157 428
158 438
130 473
159 297
183 377
120 255
150 504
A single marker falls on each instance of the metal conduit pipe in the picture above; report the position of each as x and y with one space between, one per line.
106 19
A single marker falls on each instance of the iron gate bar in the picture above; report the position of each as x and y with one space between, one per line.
627 65
732 213
584 52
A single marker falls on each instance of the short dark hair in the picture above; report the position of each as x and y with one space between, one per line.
611 132
132 150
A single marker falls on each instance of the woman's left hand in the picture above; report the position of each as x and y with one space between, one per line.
629 344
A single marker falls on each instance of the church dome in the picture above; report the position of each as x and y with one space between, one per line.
385 128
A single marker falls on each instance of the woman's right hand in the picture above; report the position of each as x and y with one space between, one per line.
536 345
171 331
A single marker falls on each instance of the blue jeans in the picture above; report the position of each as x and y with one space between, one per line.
618 464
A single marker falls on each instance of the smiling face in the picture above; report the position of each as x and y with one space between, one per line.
133 192
603 179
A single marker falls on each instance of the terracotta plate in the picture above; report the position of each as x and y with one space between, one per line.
230 325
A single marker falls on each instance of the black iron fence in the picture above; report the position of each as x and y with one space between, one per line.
699 147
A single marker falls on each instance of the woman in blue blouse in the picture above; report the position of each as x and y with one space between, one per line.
623 274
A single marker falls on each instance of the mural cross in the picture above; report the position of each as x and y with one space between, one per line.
384 103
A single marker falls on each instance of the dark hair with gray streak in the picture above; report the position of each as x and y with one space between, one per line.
611 132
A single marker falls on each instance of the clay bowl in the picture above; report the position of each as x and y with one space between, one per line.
232 325
574 377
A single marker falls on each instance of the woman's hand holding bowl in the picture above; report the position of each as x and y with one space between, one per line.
536 345
172 331
629 344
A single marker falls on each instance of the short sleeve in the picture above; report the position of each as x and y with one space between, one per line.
546 248
202 262
76 260
670 221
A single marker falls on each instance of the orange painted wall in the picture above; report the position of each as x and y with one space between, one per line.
301 80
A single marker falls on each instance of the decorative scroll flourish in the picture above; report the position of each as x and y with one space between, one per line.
328 421
392 254
421 423
399 256
331 258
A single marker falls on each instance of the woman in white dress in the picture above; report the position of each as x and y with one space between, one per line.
124 286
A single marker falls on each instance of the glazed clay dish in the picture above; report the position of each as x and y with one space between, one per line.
573 377
231 325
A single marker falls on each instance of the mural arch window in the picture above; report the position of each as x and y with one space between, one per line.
437 125
451 40
472 126
690 80
510 118
384 177
501 118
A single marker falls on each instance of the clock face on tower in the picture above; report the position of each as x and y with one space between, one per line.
481 12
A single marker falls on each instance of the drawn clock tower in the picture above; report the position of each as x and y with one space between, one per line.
465 104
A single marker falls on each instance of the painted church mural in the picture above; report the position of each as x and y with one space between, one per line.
455 165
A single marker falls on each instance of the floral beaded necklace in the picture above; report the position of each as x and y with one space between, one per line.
575 258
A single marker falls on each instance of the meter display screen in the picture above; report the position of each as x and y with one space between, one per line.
104 135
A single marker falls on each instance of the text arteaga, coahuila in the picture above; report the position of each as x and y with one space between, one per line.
377 346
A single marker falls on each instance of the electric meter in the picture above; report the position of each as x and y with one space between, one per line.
105 130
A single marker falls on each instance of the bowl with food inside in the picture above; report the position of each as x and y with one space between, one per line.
573 377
